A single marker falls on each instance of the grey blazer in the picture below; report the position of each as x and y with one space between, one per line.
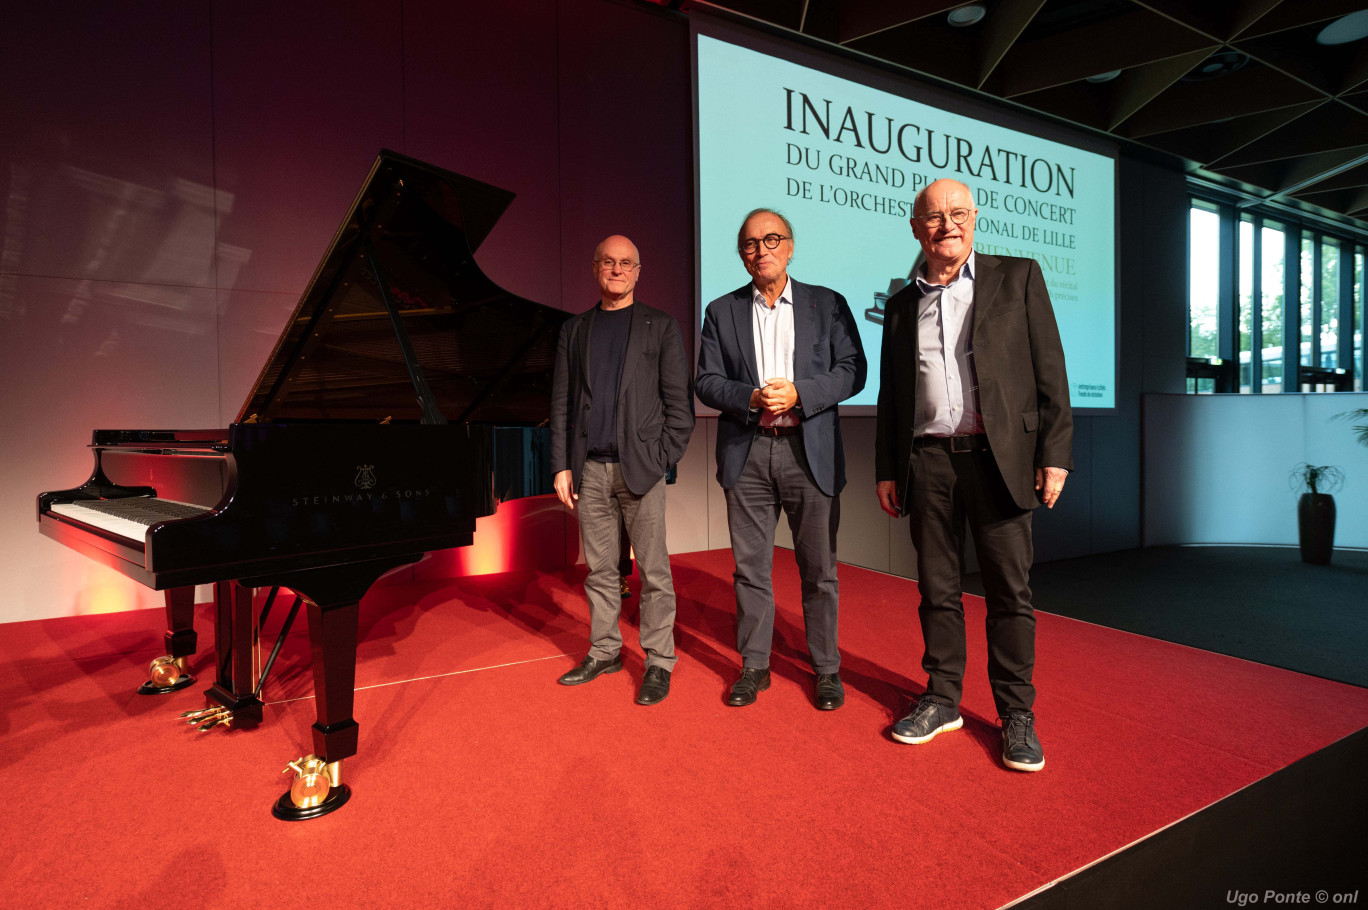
828 367
654 405
1023 388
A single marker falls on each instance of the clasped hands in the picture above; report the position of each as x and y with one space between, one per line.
777 396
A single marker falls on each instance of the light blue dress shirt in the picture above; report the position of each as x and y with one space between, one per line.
949 403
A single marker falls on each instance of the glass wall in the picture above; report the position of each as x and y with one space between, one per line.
1290 316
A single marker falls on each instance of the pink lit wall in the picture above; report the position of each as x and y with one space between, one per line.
170 174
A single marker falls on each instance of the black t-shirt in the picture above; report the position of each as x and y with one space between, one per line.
607 349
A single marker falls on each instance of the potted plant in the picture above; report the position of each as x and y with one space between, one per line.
1361 430
1316 510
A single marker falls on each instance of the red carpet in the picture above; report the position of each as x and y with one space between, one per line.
482 783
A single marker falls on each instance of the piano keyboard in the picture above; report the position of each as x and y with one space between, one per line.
128 518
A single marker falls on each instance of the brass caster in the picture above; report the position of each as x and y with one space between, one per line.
209 718
166 674
317 790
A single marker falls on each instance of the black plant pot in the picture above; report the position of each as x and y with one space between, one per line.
1316 527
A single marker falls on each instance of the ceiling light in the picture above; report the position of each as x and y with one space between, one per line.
1219 64
969 14
1345 29
1103 77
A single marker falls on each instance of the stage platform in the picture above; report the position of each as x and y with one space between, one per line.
480 782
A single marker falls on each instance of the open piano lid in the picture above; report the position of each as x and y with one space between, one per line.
431 337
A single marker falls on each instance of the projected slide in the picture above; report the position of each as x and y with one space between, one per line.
843 162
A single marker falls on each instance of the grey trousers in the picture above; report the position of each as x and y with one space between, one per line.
775 478
603 498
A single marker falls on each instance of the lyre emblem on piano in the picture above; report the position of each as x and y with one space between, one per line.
365 476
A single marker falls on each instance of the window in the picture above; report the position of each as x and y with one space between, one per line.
1273 250
1358 320
1273 305
1203 290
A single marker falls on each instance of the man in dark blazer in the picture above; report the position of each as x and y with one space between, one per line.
775 358
973 424
621 415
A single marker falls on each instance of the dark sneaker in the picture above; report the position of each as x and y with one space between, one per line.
590 668
1020 746
925 721
655 685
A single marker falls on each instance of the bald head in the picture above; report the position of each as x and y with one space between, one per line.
936 192
946 243
617 241
617 265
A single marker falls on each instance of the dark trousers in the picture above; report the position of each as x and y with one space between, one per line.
947 490
776 478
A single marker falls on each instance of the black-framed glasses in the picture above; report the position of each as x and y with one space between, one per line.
608 264
771 242
934 220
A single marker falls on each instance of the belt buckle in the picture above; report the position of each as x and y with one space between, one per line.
961 444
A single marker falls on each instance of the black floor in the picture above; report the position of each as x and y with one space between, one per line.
1259 603
1300 833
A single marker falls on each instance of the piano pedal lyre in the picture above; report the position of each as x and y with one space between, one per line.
209 718
166 674
317 789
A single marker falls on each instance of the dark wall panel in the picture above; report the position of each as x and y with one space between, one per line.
627 150
481 97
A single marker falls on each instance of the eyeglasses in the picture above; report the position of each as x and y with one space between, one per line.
934 220
608 264
771 242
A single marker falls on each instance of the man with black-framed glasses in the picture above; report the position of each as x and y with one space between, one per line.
974 426
775 358
621 416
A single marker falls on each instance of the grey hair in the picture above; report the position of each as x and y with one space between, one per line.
741 231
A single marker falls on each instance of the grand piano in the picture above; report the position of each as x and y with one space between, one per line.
395 410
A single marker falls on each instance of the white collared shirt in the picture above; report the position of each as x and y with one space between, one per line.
949 404
773 332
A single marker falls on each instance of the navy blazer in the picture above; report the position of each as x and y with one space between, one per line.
654 408
828 367
1022 385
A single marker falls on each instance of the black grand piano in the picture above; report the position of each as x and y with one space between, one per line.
390 416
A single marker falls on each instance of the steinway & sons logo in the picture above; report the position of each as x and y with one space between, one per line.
366 489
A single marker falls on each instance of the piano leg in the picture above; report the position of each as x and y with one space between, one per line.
318 787
167 673
234 685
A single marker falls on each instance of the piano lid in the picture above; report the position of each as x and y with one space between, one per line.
398 306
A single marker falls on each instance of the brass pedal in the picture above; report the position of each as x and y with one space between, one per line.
208 718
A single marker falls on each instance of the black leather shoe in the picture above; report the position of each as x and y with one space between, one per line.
589 668
745 689
926 720
830 692
655 685
1020 746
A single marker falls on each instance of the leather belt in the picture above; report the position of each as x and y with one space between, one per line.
777 431
975 443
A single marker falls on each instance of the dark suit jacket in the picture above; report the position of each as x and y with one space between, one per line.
828 367
1023 390
654 405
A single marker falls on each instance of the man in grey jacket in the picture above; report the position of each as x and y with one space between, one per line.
621 415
